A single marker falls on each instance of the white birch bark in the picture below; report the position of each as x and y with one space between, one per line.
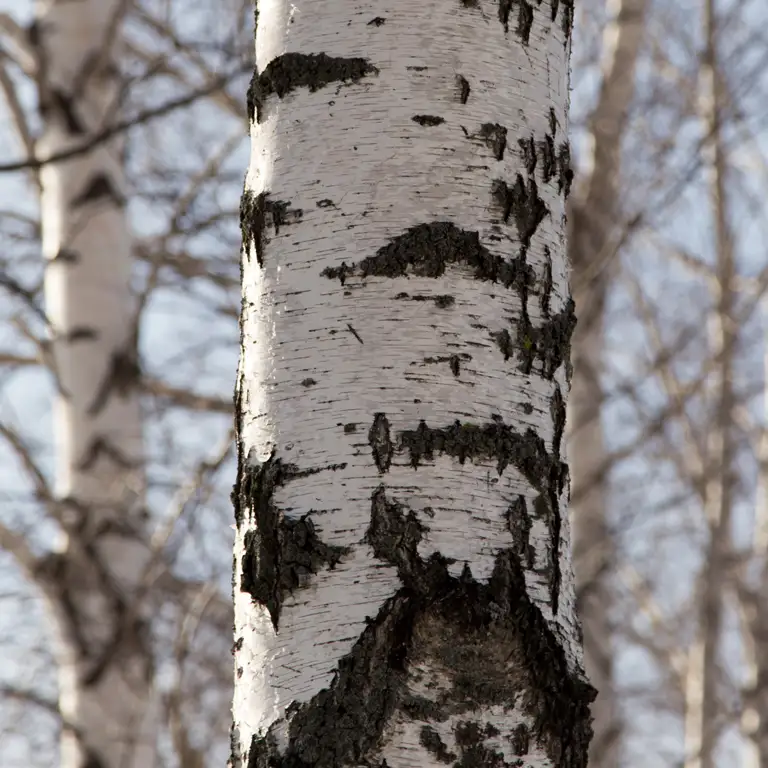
594 215
105 680
402 580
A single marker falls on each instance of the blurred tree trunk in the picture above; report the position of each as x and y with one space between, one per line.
105 680
593 217
402 577
702 716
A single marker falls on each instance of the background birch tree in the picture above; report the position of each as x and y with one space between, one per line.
403 585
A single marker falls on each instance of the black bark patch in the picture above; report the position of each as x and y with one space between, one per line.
428 120
83 333
524 20
350 427
566 22
555 6
548 158
380 442
558 412
471 3
564 171
455 365
100 186
67 256
308 382
426 250
442 301
464 89
281 553
552 122
520 524
505 8
325 203
430 739
256 213
470 739
547 284
521 740
522 202
493 440
121 378
528 153
550 344
495 136
63 105
377 21
289 71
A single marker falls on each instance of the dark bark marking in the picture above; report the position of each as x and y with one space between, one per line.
99 186
354 332
380 442
442 301
428 120
61 103
67 256
552 122
470 739
350 427
550 343
325 203
548 158
521 740
256 213
522 202
414 68
464 89
83 333
505 8
427 250
281 553
528 153
377 21
495 136
555 6
470 3
289 71
546 284
566 22
564 171
524 20
99 447
308 382
121 377
455 365
430 739
520 524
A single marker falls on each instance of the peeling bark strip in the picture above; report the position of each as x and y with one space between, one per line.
489 638
427 250
281 554
295 70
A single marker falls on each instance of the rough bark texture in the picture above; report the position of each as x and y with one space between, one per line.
594 213
402 580
103 650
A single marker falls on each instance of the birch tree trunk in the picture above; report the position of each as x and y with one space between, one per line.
402 579
91 582
594 215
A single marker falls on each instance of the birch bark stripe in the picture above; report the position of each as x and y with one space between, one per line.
403 588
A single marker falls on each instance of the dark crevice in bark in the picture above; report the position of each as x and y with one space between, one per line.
524 20
428 120
281 553
566 22
427 250
82 333
67 256
295 70
520 524
98 187
490 638
377 21
546 284
380 442
430 739
528 153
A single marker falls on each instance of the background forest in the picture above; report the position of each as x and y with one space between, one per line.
668 423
